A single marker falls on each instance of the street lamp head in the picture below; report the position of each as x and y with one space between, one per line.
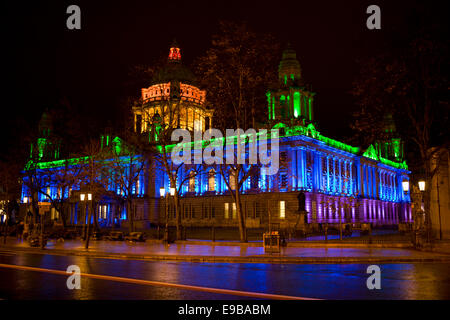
162 192
82 196
422 185
405 185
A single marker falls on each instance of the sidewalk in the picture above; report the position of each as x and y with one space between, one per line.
208 252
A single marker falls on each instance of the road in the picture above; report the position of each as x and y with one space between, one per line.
323 281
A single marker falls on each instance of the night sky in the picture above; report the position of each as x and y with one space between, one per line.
44 62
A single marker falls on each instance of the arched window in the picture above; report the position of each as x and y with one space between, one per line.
211 180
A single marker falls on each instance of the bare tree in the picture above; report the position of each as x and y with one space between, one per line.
237 70
411 84
128 163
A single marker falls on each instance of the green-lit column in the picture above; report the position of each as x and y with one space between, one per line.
297 105
310 109
269 113
273 108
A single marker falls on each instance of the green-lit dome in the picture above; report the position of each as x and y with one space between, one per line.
289 66
45 124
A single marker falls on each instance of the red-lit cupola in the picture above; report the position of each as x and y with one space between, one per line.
174 53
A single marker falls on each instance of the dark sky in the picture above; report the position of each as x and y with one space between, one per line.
44 61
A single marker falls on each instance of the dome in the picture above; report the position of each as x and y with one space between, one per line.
389 123
174 70
289 65
45 124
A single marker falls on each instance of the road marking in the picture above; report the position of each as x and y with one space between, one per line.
7 253
163 284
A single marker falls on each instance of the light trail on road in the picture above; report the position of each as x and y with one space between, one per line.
161 284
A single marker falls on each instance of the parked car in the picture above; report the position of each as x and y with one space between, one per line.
135 236
115 236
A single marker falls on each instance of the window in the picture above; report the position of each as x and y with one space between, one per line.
227 213
282 210
197 125
232 180
211 180
192 181
137 185
104 211
234 210
54 214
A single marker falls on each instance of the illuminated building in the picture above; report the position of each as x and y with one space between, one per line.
338 181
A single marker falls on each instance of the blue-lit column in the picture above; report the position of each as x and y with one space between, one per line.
363 180
350 177
345 188
334 175
328 174
393 198
374 184
299 168
339 189
381 184
303 168
315 171
292 169
358 185
394 188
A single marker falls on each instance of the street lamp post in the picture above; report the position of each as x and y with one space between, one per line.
422 186
162 193
405 186
87 199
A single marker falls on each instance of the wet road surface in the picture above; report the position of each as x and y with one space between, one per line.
323 281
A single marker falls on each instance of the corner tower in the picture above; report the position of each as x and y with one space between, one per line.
389 144
46 147
290 101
